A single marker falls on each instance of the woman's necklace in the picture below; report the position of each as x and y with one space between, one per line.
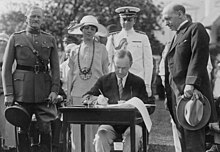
86 73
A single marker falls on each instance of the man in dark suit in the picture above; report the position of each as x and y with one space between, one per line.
133 86
185 70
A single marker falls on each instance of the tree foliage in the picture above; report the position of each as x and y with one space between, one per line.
12 22
59 14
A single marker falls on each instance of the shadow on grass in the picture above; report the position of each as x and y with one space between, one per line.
160 148
161 132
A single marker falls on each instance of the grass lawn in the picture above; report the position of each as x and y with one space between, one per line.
161 139
161 148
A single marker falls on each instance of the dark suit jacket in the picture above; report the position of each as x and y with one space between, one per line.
186 62
134 87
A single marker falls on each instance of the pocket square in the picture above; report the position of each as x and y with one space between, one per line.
183 42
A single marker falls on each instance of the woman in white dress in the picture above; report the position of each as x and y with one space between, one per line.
88 61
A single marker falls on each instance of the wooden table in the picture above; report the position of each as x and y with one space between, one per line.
83 115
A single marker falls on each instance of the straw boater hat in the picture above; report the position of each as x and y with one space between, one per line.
88 20
193 114
127 11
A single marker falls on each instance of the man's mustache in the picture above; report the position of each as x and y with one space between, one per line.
35 21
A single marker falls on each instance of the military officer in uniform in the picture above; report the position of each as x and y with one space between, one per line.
33 85
134 41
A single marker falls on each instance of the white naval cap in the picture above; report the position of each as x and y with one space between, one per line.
127 11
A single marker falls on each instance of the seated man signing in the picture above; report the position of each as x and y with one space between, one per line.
120 85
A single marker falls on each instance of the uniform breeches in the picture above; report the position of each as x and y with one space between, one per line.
41 128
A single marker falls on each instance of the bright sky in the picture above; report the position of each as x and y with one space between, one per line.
6 5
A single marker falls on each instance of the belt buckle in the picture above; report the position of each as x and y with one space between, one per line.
36 69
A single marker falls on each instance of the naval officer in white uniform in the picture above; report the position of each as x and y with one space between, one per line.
134 41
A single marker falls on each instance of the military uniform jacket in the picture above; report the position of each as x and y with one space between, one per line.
139 46
28 86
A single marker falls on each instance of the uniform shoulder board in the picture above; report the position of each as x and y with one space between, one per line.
19 32
140 32
113 33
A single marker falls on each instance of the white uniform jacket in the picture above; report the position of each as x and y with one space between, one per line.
139 46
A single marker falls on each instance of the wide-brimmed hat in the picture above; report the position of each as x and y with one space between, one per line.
127 11
88 20
193 114
18 116
4 37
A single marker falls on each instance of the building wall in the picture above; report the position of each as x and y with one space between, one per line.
204 11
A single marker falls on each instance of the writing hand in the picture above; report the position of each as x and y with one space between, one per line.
89 99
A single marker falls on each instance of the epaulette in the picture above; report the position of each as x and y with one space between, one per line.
140 32
19 32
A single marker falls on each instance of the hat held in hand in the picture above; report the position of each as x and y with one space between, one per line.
18 116
193 114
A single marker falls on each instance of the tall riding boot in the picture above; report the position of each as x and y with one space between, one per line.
46 142
23 142
56 126
34 137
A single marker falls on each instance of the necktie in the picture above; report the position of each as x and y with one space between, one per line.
120 87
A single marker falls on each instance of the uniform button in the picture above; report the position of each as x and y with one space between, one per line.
35 34
36 42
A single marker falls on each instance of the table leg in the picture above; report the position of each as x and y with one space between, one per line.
82 137
132 132
65 125
144 138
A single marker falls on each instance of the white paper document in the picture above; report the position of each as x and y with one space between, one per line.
137 103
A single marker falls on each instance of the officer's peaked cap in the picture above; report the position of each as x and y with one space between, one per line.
127 11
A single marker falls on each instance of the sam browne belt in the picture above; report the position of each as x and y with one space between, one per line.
35 68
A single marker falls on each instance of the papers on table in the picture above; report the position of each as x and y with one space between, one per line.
137 103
